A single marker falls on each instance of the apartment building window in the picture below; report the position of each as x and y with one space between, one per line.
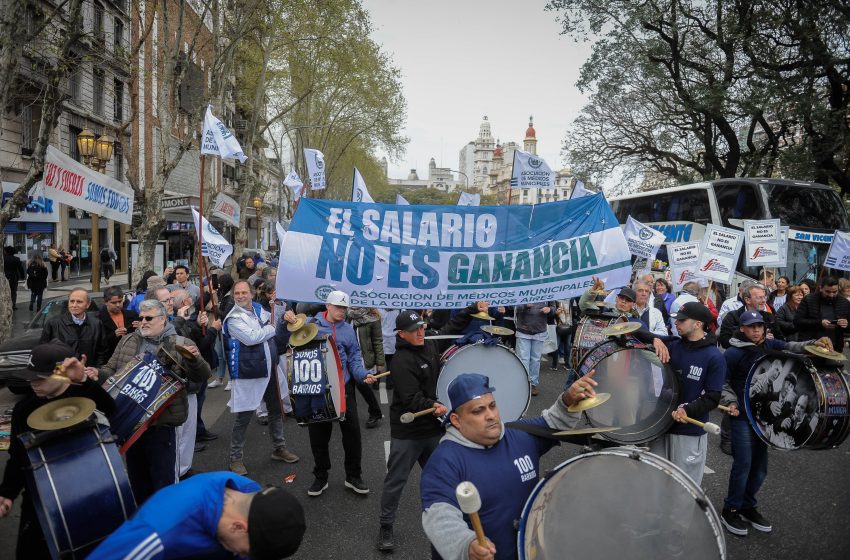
75 78
118 35
97 27
118 161
118 101
97 91
73 131
30 121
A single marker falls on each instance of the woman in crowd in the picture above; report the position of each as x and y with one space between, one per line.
808 286
53 257
65 259
662 292
779 296
844 287
706 301
785 314
36 280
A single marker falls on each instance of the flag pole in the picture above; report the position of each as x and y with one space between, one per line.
200 239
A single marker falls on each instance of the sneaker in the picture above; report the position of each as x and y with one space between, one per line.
385 538
263 420
206 436
373 421
200 447
757 520
731 519
284 454
534 391
726 447
356 483
317 487
214 383
227 387
238 467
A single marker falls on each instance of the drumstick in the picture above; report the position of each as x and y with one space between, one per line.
724 408
409 417
470 502
380 375
709 427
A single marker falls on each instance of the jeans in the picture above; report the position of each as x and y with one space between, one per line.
529 352
54 270
240 426
404 453
320 437
749 467
152 462
35 299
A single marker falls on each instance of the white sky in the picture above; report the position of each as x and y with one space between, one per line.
463 59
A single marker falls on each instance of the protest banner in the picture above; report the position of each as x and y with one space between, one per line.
218 140
227 209
762 242
214 245
359 192
530 171
719 252
293 181
838 255
447 256
315 168
643 241
683 263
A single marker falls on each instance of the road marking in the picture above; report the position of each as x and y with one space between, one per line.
383 393
386 453
708 470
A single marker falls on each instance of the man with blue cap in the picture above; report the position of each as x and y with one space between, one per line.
502 463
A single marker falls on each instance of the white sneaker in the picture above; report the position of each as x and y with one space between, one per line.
214 383
227 387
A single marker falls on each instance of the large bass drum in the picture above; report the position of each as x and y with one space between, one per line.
793 402
644 391
588 334
317 386
632 505
506 372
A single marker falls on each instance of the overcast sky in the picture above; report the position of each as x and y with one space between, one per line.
463 59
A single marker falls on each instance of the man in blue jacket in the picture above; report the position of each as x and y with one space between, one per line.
210 515
332 322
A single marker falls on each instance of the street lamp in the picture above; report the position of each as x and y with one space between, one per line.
465 176
258 207
96 153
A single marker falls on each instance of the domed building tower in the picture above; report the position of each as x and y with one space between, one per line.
530 143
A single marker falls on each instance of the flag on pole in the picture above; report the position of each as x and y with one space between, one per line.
643 241
281 237
469 199
401 200
218 140
839 252
293 181
531 171
359 192
315 168
579 191
215 246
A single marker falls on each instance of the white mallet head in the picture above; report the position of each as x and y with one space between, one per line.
712 428
407 418
467 497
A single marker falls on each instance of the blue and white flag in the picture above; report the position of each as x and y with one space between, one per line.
839 252
469 199
359 192
438 256
579 191
215 246
531 171
401 200
643 241
218 140
281 237
293 181
315 168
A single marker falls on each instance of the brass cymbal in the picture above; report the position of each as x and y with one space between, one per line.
822 352
497 331
185 352
300 321
621 328
588 403
304 335
586 431
61 413
482 315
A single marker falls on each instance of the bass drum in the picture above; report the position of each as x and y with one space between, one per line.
793 402
632 505
644 391
316 384
588 334
506 372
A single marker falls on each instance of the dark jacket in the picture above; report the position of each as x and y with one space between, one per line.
415 371
732 324
87 338
371 340
110 338
813 309
529 320
36 277
785 320
13 268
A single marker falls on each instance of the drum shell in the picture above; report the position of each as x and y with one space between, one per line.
80 487
634 386
334 395
588 334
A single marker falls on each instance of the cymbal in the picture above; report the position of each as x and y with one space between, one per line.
591 402
822 352
61 413
482 315
497 331
300 320
185 352
586 431
304 335
621 328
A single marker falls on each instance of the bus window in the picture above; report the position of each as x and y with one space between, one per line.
806 208
682 206
738 202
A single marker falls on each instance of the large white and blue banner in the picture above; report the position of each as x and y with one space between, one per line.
448 256
531 171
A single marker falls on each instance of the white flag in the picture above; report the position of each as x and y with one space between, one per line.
839 252
359 192
293 181
469 199
281 237
579 190
401 200
530 171
643 240
315 168
214 246
218 141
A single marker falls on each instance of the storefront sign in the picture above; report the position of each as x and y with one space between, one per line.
40 208
176 203
227 209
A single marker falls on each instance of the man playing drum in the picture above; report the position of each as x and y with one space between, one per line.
503 463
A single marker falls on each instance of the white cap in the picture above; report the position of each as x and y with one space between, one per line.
338 298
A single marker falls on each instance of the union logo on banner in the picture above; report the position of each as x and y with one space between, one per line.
320 163
715 266
646 234
534 163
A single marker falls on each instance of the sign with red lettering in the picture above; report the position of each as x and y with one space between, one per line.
227 209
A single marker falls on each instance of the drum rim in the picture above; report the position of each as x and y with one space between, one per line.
646 457
821 427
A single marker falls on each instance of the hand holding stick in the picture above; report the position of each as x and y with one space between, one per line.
709 427
380 375
470 502
409 417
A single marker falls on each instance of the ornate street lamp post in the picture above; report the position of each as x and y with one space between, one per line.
96 153
258 207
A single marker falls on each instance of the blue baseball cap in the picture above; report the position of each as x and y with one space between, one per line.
468 386
751 318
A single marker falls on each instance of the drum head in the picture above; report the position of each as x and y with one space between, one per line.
644 391
619 503
506 372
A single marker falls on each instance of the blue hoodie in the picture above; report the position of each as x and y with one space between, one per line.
701 368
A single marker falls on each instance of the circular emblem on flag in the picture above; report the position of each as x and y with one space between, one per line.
358 195
534 162
645 234
211 229
320 163
322 292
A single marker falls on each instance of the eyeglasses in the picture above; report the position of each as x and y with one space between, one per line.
144 318
166 300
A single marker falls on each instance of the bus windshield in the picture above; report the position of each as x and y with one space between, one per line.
807 208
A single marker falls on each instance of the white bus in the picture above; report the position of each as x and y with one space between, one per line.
811 210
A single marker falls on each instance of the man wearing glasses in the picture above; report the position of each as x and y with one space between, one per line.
152 460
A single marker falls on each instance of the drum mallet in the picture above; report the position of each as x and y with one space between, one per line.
724 408
470 502
409 417
380 375
709 427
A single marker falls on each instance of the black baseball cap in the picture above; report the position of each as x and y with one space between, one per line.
696 311
408 321
629 294
43 360
276 524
